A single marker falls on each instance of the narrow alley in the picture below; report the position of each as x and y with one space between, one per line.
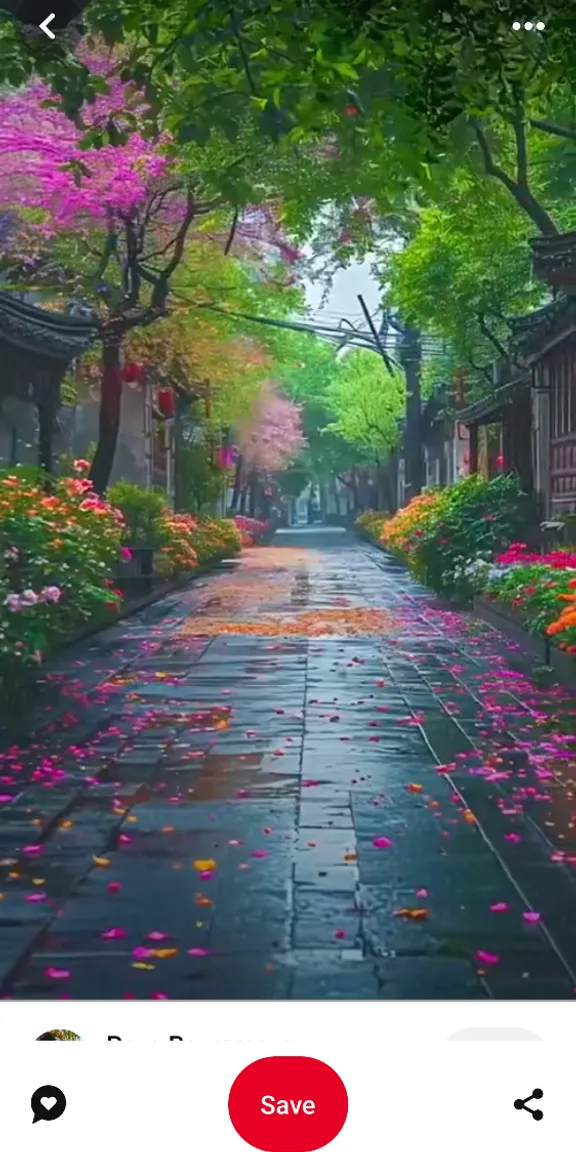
300 778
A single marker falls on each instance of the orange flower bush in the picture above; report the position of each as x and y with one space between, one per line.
402 532
177 554
181 542
191 542
565 625
442 531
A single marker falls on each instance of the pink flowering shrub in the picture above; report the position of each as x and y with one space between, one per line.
251 529
538 586
58 549
519 554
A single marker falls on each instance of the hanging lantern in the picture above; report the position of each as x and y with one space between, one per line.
133 373
225 458
166 403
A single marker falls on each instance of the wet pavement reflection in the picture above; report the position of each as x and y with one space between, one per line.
303 777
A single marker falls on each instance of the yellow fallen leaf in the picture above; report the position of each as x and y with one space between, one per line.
66 823
350 856
204 865
101 861
144 967
36 880
163 953
412 913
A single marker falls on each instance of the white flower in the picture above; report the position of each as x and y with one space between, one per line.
29 597
13 601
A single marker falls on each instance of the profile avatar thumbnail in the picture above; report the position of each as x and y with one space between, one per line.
59 1034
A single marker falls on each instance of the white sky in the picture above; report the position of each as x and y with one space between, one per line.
343 300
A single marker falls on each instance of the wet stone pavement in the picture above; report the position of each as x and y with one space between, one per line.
302 777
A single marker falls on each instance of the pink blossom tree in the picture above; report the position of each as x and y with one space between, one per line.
116 216
268 441
98 206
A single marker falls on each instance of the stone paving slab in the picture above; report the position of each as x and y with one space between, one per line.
333 815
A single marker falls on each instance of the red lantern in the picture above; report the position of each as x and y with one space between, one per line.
225 459
133 373
166 404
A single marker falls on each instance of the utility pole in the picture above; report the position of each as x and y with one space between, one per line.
410 354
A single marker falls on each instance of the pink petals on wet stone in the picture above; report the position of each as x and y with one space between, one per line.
489 958
382 842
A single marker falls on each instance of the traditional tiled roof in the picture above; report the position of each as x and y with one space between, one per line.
54 336
554 258
533 333
493 405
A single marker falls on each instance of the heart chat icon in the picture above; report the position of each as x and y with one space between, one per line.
47 1103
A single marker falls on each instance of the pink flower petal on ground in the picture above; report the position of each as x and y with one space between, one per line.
157 936
531 917
259 853
113 934
141 953
114 886
32 849
340 934
36 898
487 957
198 952
57 973
382 842
500 907
513 837
159 996
422 893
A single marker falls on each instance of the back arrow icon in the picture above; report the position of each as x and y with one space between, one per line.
44 26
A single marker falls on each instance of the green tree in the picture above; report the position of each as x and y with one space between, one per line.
367 403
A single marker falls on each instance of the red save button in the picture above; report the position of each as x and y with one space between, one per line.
288 1102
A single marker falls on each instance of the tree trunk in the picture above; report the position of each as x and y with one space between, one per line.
253 495
110 410
237 484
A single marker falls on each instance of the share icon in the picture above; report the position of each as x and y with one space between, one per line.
521 1105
